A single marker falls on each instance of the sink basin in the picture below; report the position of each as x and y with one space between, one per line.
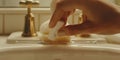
94 48
60 52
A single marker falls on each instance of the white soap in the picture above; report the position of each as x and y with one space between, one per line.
53 33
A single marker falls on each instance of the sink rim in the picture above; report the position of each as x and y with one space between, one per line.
85 47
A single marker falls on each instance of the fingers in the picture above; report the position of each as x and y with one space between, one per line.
55 17
74 29
85 28
62 11
58 15
88 28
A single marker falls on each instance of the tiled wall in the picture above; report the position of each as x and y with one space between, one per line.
1 3
15 3
45 3
13 22
11 2
12 19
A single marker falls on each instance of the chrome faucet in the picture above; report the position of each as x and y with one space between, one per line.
29 27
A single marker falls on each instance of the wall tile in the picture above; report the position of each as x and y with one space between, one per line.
1 2
15 22
45 3
12 3
1 24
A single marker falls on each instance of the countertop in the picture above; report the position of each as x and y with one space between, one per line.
107 47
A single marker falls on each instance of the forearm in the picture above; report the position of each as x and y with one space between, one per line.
99 10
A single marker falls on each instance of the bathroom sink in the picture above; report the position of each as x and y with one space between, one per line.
60 52
94 48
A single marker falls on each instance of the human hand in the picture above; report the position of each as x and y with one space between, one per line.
99 17
61 9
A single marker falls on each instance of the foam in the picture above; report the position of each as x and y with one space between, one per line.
53 33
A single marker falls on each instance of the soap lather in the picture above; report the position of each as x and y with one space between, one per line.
53 33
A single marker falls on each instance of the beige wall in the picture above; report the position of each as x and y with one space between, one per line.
12 19
15 3
43 3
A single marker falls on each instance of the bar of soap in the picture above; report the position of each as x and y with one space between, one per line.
58 40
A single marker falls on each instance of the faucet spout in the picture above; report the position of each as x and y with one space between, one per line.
29 27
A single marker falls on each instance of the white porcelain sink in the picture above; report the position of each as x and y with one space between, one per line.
60 52
94 48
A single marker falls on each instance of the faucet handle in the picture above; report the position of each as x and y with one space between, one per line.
36 3
29 3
